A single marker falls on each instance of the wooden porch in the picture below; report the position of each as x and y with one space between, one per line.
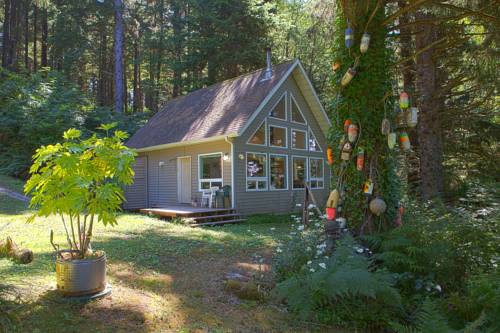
200 216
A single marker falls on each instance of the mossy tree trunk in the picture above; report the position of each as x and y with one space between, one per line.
366 100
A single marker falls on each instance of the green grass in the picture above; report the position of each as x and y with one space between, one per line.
166 277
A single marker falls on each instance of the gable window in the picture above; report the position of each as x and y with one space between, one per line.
256 172
277 136
210 171
297 116
279 110
313 143
278 166
316 172
299 140
299 172
259 137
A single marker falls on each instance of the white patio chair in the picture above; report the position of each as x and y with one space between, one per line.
209 196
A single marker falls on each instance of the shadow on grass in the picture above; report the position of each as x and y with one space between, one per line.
11 206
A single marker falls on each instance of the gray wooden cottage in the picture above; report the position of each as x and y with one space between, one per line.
263 134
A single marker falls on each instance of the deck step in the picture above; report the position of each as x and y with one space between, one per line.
194 225
209 217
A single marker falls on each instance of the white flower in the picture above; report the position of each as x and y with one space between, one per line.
312 270
326 257
308 249
438 287
319 252
317 224
322 265
309 262
279 250
273 228
300 228
311 206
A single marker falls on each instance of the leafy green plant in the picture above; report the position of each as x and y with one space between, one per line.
343 290
81 180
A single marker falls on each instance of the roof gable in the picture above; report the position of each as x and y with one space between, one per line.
223 109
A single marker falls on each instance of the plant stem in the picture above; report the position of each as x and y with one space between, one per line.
73 231
79 234
67 233
89 232
84 238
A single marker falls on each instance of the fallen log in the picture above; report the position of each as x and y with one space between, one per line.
10 249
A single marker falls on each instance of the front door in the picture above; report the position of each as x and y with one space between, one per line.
184 179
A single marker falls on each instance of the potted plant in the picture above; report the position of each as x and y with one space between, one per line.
81 181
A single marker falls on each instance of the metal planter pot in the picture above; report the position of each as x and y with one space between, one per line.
78 277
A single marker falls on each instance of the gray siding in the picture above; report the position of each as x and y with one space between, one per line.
162 180
137 194
279 201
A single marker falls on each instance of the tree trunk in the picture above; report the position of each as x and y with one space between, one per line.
118 55
136 82
429 126
45 35
26 13
6 34
15 33
35 37
177 30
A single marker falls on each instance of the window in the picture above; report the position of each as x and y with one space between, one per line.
316 172
259 137
299 139
279 172
299 172
297 116
313 143
256 172
279 110
277 136
210 171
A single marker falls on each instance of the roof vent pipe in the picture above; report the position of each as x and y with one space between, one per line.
269 68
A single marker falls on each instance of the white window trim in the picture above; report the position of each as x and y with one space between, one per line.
322 178
310 131
286 172
291 139
257 179
200 180
300 111
265 135
286 107
306 173
286 136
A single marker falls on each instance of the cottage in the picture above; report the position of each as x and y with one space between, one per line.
260 136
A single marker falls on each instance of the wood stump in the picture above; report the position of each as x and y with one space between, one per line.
10 249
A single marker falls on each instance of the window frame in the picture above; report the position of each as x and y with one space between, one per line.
306 136
311 133
286 136
306 173
284 95
300 111
265 135
210 180
286 172
257 179
322 178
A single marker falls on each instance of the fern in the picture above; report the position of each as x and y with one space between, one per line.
428 319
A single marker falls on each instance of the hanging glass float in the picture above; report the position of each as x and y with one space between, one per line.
400 118
347 122
404 100
347 77
412 117
346 151
399 216
331 204
360 159
368 187
386 126
391 140
365 42
352 133
377 206
335 66
349 36
404 141
329 155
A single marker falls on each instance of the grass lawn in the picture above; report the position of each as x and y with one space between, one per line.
166 277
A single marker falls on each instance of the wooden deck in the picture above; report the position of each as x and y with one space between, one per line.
199 216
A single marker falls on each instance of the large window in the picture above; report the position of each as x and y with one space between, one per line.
313 143
279 110
299 172
277 136
256 172
210 171
278 172
296 114
259 137
316 172
299 139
